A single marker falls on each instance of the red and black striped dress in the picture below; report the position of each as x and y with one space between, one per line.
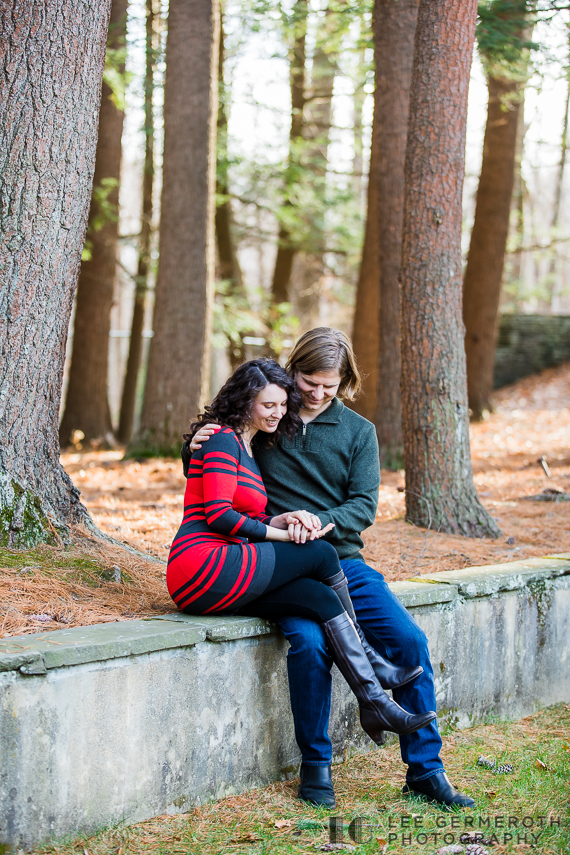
219 561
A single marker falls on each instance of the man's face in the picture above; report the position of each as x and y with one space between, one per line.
317 389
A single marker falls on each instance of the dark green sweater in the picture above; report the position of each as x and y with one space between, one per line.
330 468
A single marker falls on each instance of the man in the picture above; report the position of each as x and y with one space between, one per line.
331 468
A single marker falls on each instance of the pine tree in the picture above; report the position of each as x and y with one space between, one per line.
504 51
87 405
178 371
51 66
440 492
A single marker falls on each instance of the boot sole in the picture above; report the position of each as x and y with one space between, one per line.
315 803
425 798
397 732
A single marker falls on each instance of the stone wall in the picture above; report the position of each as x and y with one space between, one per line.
527 344
120 722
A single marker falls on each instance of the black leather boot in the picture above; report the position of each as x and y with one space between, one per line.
316 786
389 676
378 712
439 790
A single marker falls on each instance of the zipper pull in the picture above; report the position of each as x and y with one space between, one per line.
304 429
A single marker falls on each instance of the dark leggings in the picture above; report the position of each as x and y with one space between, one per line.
296 588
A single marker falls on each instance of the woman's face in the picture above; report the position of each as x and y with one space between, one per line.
269 407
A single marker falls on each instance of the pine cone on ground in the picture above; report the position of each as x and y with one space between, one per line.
486 762
476 849
504 769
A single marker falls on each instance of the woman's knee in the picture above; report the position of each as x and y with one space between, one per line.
326 557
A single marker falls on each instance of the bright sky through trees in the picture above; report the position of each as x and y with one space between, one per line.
257 74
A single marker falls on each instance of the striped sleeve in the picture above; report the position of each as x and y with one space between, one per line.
219 483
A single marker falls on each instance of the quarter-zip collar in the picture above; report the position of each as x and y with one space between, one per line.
332 415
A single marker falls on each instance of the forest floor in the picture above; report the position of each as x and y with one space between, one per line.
139 502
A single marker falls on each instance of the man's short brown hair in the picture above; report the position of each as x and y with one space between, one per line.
327 349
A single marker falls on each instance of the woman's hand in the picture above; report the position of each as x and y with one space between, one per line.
298 533
203 435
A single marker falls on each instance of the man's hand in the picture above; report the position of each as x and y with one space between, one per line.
203 435
310 521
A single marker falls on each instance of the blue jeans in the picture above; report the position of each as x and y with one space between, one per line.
395 634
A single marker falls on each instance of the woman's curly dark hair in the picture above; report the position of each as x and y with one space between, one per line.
233 404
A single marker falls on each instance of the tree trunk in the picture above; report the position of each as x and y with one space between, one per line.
87 406
553 265
365 331
394 53
516 216
128 400
286 247
440 493
484 271
230 270
178 371
51 64
358 100
308 270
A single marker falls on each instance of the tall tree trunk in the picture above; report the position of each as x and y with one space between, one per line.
552 267
309 266
286 247
365 332
87 405
439 480
51 64
393 53
128 400
358 100
178 371
230 270
516 216
484 271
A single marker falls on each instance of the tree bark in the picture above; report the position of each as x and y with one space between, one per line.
484 271
286 246
51 64
365 331
178 371
358 101
440 493
230 270
87 406
516 216
393 53
309 268
553 265
128 399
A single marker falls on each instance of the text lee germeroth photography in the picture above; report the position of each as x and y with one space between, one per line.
409 829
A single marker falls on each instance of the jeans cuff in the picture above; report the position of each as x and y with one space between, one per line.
424 777
316 762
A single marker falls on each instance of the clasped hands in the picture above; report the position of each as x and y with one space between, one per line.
301 525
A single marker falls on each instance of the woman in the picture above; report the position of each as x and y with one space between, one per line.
228 557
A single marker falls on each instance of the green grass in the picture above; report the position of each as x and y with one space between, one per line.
271 820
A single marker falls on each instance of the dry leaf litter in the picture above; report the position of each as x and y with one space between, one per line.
521 462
